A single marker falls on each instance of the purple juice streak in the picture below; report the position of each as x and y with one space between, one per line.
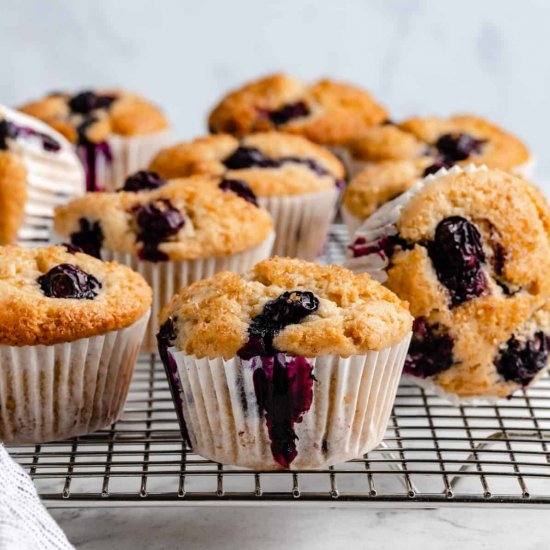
284 391
91 154
14 131
384 246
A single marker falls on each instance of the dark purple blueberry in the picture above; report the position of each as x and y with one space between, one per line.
156 223
288 112
143 180
89 238
165 338
248 157
384 247
435 167
288 309
71 248
69 281
284 391
521 361
456 147
499 252
457 256
310 163
91 155
13 131
85 102
240 188
431 350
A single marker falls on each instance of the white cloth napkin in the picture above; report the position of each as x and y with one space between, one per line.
24 522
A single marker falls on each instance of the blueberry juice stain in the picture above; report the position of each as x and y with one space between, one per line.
92 155
283 384
10 130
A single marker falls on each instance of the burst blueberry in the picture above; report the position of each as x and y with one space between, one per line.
69 281
143 180
458 146
240 188
85 102
288 112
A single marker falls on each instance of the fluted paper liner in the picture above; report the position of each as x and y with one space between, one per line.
49 393
129 154
166 278
53 177
352 402
301 222
351 221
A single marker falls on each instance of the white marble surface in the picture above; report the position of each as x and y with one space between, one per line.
305 528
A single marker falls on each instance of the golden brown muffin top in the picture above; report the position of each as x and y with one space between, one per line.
326 112
355 314
271 163
101 297
94 116
183 219
398 155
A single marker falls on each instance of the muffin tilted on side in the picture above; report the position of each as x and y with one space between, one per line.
71 327
296 180
326 112
470 251
115 132
387 160
173 233
38 171
294 365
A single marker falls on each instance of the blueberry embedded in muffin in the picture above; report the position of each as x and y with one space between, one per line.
90 118
275 322
45 289
326 112
395 156
473 270
181 220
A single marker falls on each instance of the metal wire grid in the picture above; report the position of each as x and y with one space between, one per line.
433 454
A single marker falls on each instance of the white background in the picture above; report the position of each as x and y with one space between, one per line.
491 57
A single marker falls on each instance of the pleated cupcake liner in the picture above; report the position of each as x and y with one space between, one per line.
53 177
124 156
221 417
166 278
50 393
301 222
352 222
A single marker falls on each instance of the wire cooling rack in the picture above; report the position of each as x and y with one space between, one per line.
433 454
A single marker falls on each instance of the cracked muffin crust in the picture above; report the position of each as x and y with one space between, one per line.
325 310
51 295
326 112
470 251
271 163
181 219
399 155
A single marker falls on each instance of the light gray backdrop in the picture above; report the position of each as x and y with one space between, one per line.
418 56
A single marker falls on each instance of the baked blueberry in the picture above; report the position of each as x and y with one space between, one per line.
288 112
88 238
85 102
247 157
240 188
69 281
458 146
143 180
457 256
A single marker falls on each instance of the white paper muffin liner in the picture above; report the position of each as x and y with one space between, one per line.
301 222
53 178
49 393
527 169
352 402
127 155
351 221
166 278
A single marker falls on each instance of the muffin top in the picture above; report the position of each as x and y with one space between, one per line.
399 155
285 305
470 251
33 156
183 219
94 116
326 112
271 163
52 295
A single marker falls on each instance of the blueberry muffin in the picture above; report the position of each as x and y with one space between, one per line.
38 170
115 132
326 112
172 232
389 159
71 327
469 250
294 365
296 180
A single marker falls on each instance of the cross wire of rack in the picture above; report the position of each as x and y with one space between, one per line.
434 454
